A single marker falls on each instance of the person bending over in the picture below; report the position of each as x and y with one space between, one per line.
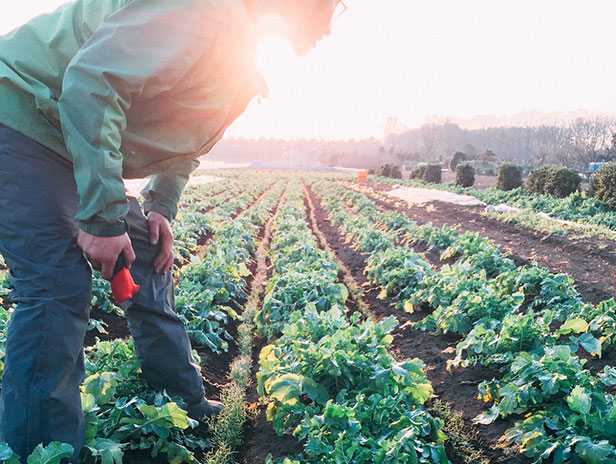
98 91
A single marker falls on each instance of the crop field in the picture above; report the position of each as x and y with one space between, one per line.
339 324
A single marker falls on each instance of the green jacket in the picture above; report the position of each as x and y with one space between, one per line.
127 89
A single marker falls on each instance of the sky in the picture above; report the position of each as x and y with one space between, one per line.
414 59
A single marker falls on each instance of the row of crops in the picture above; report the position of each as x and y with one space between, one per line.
194 302
123 414
326 373
328 377
526 322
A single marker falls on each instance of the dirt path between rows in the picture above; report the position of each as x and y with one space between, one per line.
215 366
458 387
592 263
117 327
260 439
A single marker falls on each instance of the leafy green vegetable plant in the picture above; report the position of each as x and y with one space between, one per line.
53 453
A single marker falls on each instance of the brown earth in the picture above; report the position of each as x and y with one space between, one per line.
591 262
458 388
117 327
260 439
215 367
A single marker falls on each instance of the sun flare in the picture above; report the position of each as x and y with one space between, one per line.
274 54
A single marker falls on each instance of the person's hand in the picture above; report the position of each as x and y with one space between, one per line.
160 232
103 252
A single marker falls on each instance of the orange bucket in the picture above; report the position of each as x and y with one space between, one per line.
362 176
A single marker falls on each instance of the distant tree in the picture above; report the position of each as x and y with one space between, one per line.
471 151
465 175
559 181
544 144
393 126
390 170
563 182
488 155
456 159
432 173
603 184
330 158
586 141
418 172
611 151
548 143
509 176
537 179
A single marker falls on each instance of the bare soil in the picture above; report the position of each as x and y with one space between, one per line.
592 263
458 387
117 327
260 439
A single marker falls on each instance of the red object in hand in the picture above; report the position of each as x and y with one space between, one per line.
123 287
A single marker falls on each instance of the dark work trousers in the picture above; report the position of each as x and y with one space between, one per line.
44 365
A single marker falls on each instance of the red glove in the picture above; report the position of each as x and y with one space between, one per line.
123 286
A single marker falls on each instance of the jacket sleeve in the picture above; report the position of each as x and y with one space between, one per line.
137 52
163 191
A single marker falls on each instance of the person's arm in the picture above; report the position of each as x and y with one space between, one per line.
138 52
163 191
161 197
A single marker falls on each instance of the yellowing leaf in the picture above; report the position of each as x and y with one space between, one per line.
88 401
243 270
574 325
269 413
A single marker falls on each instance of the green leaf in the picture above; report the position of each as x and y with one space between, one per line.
518 297
579 400
573 325
51 454
232 313
388 324
590 344
608 376
408 307
487 417
88 402
594 453
168 415
177 454
333 411
7 455
110 451
315 391
260 321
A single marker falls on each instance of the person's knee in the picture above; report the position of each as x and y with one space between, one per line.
71 284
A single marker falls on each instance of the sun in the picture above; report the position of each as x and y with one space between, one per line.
274 54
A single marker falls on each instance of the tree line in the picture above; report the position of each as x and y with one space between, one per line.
574 144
